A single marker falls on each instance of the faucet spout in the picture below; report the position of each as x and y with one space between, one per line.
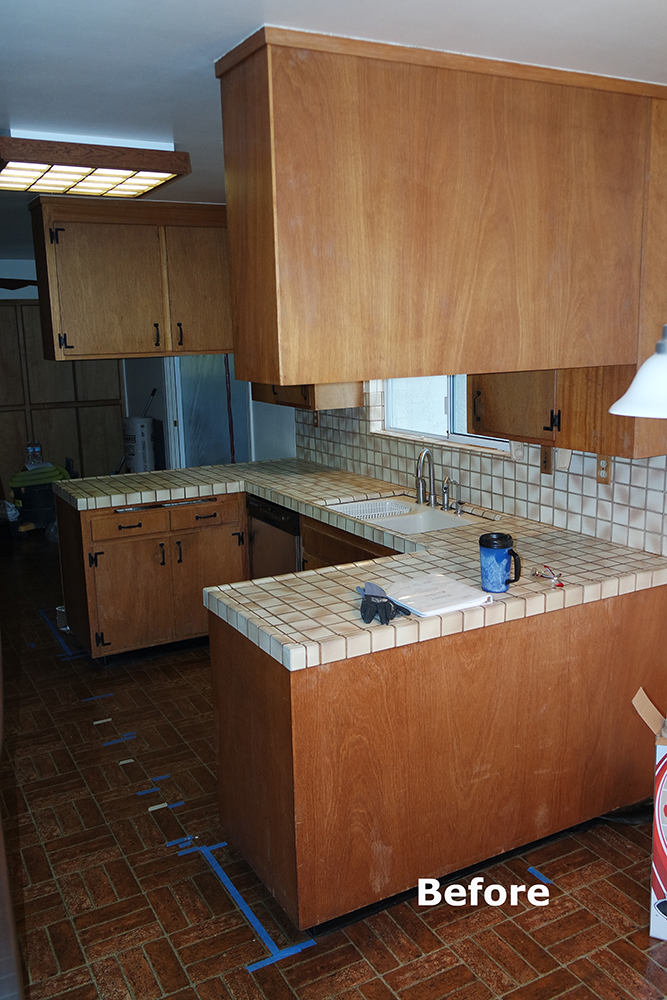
432 499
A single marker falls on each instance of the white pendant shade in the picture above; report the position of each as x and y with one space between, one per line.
647 395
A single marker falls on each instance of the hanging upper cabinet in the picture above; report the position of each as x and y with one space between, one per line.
398 212
131 279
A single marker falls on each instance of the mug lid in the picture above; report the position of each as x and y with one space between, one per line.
496 540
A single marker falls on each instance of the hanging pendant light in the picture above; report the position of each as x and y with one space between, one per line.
647 395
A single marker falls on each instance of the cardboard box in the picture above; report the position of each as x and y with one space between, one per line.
658 725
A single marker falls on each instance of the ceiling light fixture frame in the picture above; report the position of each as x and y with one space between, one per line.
70 154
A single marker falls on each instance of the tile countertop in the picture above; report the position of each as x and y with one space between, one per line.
310 618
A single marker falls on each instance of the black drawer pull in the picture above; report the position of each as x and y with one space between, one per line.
180 553
205 517
122 527
157 334
162 549
180 334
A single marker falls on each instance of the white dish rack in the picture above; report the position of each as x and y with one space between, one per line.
369 510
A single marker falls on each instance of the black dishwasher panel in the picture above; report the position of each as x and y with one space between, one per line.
274 538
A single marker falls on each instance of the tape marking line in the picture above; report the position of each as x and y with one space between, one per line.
128 760
542 878
276 953
96 697
175 804
110 743
148 791
160 777
99 722
160 805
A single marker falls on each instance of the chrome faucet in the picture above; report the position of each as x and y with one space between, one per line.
447 488
420 482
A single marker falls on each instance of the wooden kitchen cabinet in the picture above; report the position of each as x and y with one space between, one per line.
131 280
133 577
398 212
332 396
324 545
568 408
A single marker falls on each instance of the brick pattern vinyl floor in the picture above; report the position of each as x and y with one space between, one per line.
104 908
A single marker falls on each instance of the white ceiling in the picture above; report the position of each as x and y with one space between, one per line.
141 69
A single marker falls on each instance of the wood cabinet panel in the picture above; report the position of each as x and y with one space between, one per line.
324 545
495 244
139 521
133 592
203 558
141 584
97 379
200 305
101 438
513 405
47 383
13 438
381 773
331 396
11 381
110 289
58 432
225 510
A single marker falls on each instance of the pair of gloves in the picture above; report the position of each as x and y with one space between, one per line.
374 602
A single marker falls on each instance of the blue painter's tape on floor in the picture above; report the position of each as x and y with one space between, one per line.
275 953
542 878
148 791
55 632
95 697
124 739
160 777
175 804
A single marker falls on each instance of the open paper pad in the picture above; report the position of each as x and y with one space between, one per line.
435 594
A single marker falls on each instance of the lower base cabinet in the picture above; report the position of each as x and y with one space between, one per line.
133 577
324 545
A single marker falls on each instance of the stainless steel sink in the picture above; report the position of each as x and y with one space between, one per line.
401 514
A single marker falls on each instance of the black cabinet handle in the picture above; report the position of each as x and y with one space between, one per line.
62 342
205 517
157 334
554 422
273 390
180 334
240 537
478 397
180 553
162 548
123 527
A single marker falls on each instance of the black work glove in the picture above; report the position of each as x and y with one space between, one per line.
375 602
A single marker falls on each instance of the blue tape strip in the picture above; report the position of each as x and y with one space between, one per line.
132 732
96 697
54 631
542 878
294 950
181 841
175 804
275 953
148 791
160 777
123 740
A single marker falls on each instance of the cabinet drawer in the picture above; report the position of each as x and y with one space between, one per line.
128 523
202 515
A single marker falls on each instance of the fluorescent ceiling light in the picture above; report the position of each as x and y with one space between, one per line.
42 167
647 395
89 140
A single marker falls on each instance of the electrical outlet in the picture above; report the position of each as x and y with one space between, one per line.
546 460
604 469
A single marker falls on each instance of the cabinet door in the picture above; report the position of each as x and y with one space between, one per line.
515 405
199 292
323 545
205 557
584 396
298 396
110 290
132 585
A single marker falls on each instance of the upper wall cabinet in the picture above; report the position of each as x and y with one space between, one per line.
399 212
131 279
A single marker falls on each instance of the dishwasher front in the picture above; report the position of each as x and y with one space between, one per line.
274 538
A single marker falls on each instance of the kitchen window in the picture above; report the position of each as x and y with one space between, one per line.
435 407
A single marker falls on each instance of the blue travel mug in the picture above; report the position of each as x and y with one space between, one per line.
496 556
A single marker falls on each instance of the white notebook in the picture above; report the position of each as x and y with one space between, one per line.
435 594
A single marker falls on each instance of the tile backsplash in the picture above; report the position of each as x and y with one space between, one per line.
630 509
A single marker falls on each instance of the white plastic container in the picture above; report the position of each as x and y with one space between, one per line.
138 444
